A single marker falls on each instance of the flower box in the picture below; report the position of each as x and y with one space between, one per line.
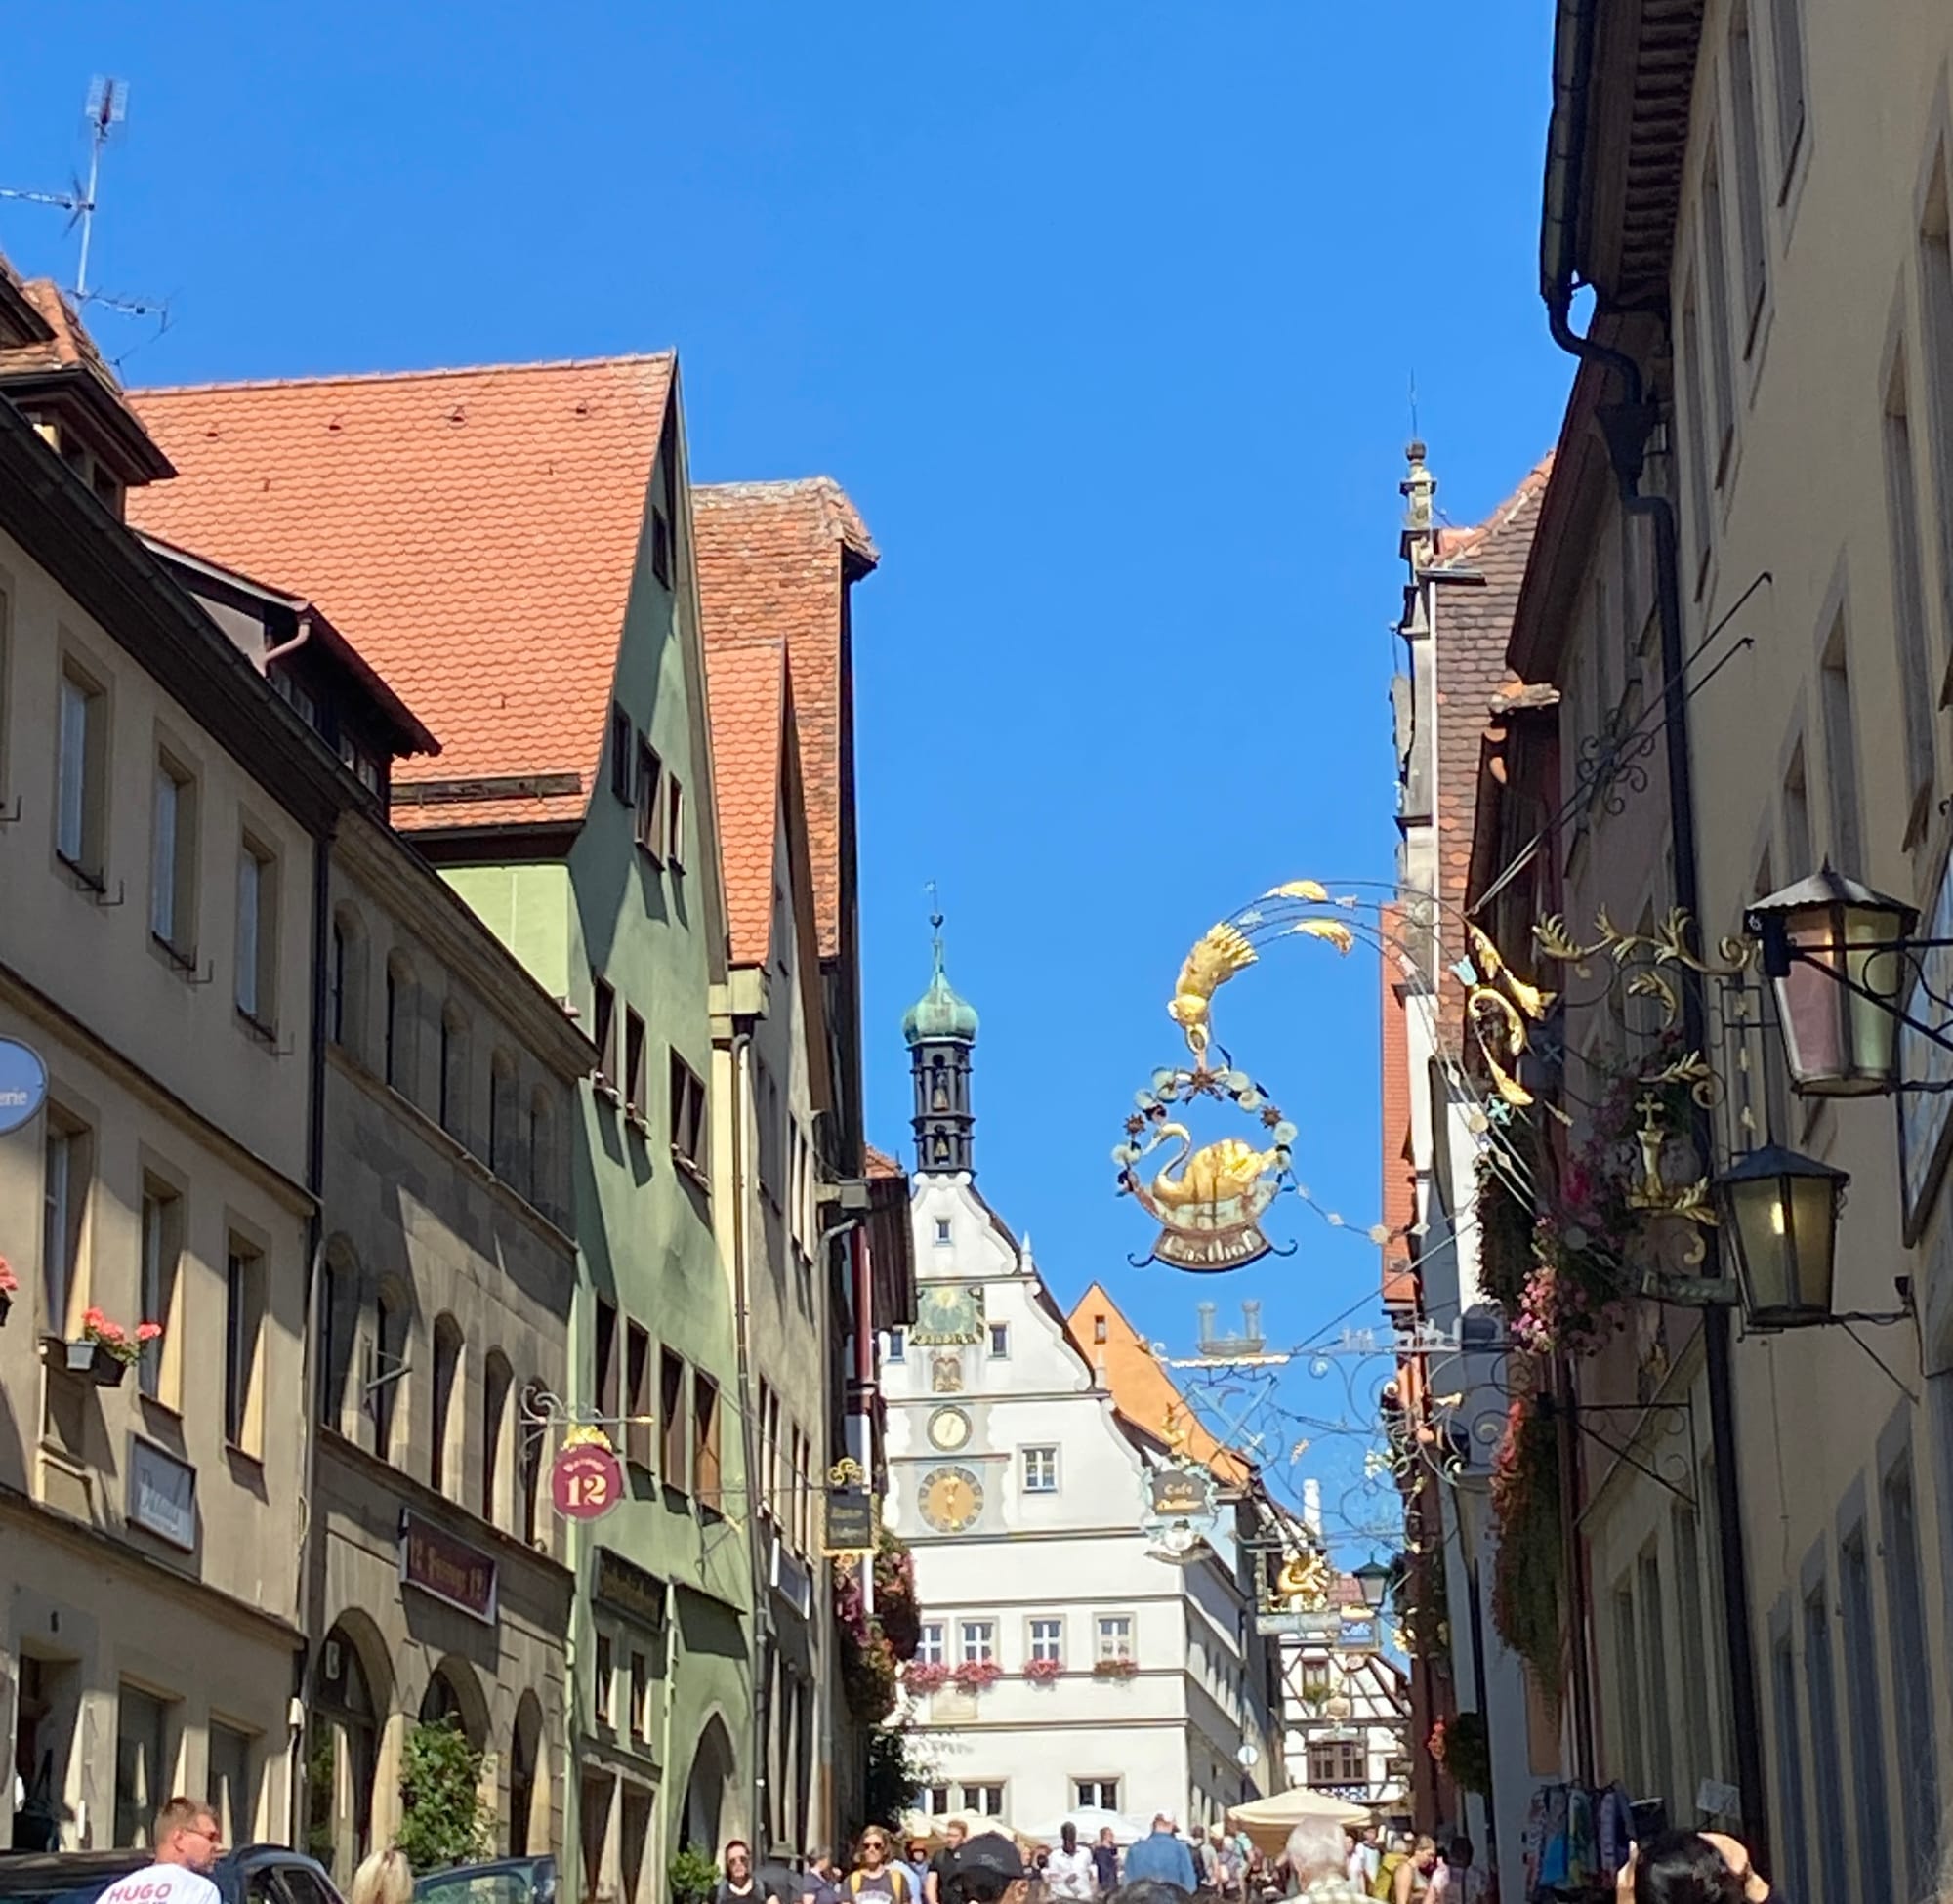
925 1676
1114 1669
92 1362
972 1676
1042 1671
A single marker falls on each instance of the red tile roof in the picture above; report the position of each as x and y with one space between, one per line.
879 1163
1473 626
474 531
770 561
1143 1393
746 693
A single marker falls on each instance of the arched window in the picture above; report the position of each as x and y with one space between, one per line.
497 1453
453 1108
443 1462
524 1776
502 1145
390 1365
399 1052
346 999
338 1324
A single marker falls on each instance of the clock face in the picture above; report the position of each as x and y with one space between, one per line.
949 1430
951 1499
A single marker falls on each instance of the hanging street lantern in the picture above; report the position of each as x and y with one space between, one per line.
1373 1582
1834 953
1781 1211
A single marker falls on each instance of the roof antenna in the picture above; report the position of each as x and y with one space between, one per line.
107 107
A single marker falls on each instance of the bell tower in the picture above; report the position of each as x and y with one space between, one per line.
941 1031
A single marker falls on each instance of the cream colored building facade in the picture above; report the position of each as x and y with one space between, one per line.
1784 241
150 1524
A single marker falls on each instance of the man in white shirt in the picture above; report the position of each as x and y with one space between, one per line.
1068 1872
189 1843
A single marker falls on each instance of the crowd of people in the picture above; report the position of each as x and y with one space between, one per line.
1323 1863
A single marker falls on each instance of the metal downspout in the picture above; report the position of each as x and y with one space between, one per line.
760 1826
309 1532
1627 431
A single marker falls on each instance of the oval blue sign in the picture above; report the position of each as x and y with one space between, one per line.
23 1084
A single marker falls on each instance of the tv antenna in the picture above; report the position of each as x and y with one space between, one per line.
107 107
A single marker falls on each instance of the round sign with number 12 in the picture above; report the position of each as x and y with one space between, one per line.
586 1480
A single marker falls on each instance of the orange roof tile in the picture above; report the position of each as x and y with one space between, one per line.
477 529
1143 1391
770 562
879 1163
746 694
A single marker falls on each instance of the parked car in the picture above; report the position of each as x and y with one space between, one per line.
506 1880
252 1874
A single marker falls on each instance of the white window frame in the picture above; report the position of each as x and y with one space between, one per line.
971 1790
999 1341
1098 1788
1048 1644
942 1232
932 1642
898 1349
975 1643
1038 1468
1113 1636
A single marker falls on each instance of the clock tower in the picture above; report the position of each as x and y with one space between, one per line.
940 1030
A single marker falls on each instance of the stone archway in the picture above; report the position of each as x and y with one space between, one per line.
529 1781
348 1746
709 1792
454 1691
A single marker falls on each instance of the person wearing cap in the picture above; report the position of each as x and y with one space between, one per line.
989 1870
916 1862
1163 1857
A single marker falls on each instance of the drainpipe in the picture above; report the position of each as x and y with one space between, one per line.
311 1340
1627 427
760 1663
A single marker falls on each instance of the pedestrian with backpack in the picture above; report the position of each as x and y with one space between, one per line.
875 1875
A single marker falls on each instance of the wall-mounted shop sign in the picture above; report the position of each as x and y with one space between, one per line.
447 1569
628 1589
586 1477
23 1084
162 1494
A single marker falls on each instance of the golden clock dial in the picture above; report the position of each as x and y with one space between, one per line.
951 1499
949 1430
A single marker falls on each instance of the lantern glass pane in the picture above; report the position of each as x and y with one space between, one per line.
1838 1043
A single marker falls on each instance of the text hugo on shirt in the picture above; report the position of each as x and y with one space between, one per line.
162 1883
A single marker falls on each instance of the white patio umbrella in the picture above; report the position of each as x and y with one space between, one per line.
1090 1820
1268 1821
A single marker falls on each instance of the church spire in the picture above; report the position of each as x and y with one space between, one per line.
941 1031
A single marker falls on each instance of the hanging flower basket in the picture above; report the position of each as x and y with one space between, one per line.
9 1287
1042 1671
974 1674
1114 1669
925 1676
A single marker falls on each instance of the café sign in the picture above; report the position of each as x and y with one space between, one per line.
447 1569
23 1084
162 1494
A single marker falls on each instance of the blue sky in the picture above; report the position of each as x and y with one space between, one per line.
1108 316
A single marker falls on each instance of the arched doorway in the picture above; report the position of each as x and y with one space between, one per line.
454 1693
710 1787
342 1756
527 1779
